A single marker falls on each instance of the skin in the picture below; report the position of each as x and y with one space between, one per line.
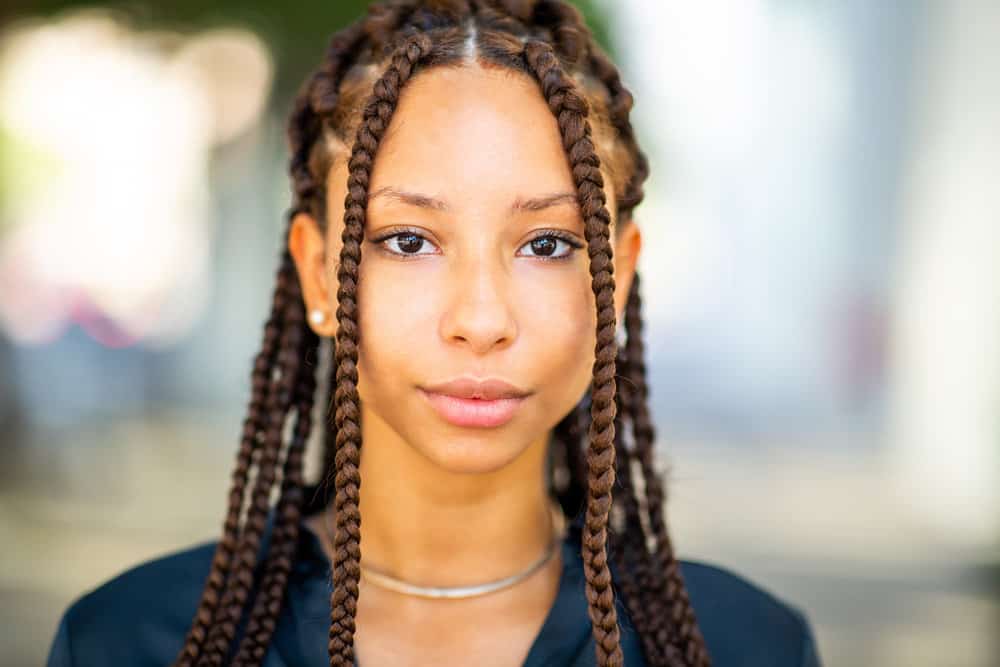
444 505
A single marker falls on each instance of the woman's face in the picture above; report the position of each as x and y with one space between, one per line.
474 265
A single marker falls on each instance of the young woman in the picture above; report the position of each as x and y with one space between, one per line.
462 237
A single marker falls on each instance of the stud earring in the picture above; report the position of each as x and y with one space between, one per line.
317 316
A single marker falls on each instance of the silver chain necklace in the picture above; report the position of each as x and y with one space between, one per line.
455 592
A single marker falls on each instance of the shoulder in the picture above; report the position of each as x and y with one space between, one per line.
743 623
139 617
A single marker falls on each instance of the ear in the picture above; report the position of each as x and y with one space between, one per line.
628 243
307 247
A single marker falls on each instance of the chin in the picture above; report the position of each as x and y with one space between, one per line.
472 454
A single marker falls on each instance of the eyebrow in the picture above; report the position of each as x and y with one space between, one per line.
411 198
425 201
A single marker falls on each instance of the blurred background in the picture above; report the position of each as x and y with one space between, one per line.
821 275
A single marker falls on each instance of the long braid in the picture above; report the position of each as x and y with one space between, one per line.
571 111
642 576
347 538
285 533
619 106
249 446
687 634
629 545
234 600
303 131
663 574
316 100
318 104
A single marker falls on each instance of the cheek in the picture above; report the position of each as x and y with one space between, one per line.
558 324
397 313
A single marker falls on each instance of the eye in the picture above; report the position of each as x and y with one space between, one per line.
405 243
553 245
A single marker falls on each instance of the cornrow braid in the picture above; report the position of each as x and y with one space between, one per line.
621 102
317 98
610 479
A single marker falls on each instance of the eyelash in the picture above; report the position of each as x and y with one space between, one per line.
567 238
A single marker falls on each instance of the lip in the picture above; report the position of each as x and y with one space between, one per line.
470 402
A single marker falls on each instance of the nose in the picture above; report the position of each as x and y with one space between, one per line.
479 315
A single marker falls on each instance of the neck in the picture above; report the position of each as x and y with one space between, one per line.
433 527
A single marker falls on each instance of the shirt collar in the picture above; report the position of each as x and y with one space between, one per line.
565 637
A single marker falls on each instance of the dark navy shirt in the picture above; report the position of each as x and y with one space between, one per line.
140 617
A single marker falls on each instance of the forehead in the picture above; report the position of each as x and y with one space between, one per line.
472 128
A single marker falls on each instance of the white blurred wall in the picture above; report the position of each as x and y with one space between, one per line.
945 379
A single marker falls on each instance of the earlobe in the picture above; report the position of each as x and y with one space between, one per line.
306 245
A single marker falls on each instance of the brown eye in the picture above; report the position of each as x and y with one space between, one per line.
407 243
553 246
410 243
544 246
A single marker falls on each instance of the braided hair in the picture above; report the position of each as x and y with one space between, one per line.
604 469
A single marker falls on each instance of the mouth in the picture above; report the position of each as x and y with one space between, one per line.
473 412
